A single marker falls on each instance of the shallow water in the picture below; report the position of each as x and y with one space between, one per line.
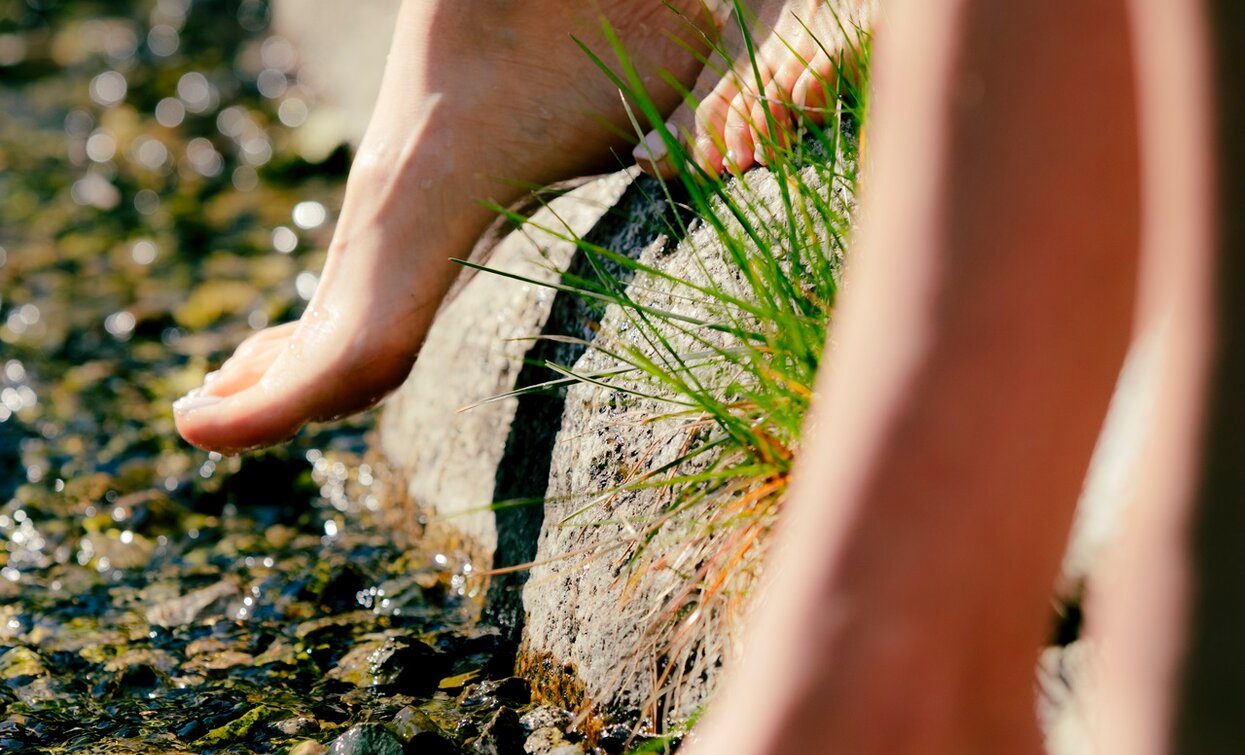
157 206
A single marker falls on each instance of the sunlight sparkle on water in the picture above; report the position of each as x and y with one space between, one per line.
306 284
101 146
120 325
170 112
163 40
272 83
143 252
309 214
292 112
150 153
147 202
196 92
108 88
284 239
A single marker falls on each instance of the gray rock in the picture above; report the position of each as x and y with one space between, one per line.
547 717
297 725
602 596
451 458
367 739
392 663
588 610
550 741
191 606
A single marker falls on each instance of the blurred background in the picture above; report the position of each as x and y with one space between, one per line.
170 172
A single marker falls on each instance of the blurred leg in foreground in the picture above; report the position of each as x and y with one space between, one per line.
988 308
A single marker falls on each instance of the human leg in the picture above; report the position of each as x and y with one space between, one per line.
477 96
1168 616
988 307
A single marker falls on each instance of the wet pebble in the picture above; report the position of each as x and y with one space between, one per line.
19 663
367 739
308 747
393 662
547 716
189 607
512 690
616 738
546 740
502 735
297 726
420 732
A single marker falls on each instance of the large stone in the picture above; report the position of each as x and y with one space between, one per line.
448 444
592 615
610 598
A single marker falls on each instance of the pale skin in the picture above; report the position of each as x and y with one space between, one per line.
1008 215
449 135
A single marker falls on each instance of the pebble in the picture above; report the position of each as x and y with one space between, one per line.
367 739
308 747
395 662
509 691
502 735
297 725
547 716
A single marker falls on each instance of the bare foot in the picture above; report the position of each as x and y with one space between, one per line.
476 96
799 47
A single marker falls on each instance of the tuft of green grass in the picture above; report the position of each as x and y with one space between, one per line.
726 350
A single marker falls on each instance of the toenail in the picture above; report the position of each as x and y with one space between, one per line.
192 401
211 377
653 148
759 155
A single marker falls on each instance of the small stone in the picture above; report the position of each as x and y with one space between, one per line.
510 691
411 722
186 609
308 747
397 663
297 725
543 740
614 739
421 734
502 735
547 716
20 662
367 739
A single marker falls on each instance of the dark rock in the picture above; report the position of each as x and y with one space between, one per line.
502 735
367 739
614 739
393 663
510 691
191 731
421 734
340 593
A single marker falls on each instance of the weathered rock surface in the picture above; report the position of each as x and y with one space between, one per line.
476 351
589 611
